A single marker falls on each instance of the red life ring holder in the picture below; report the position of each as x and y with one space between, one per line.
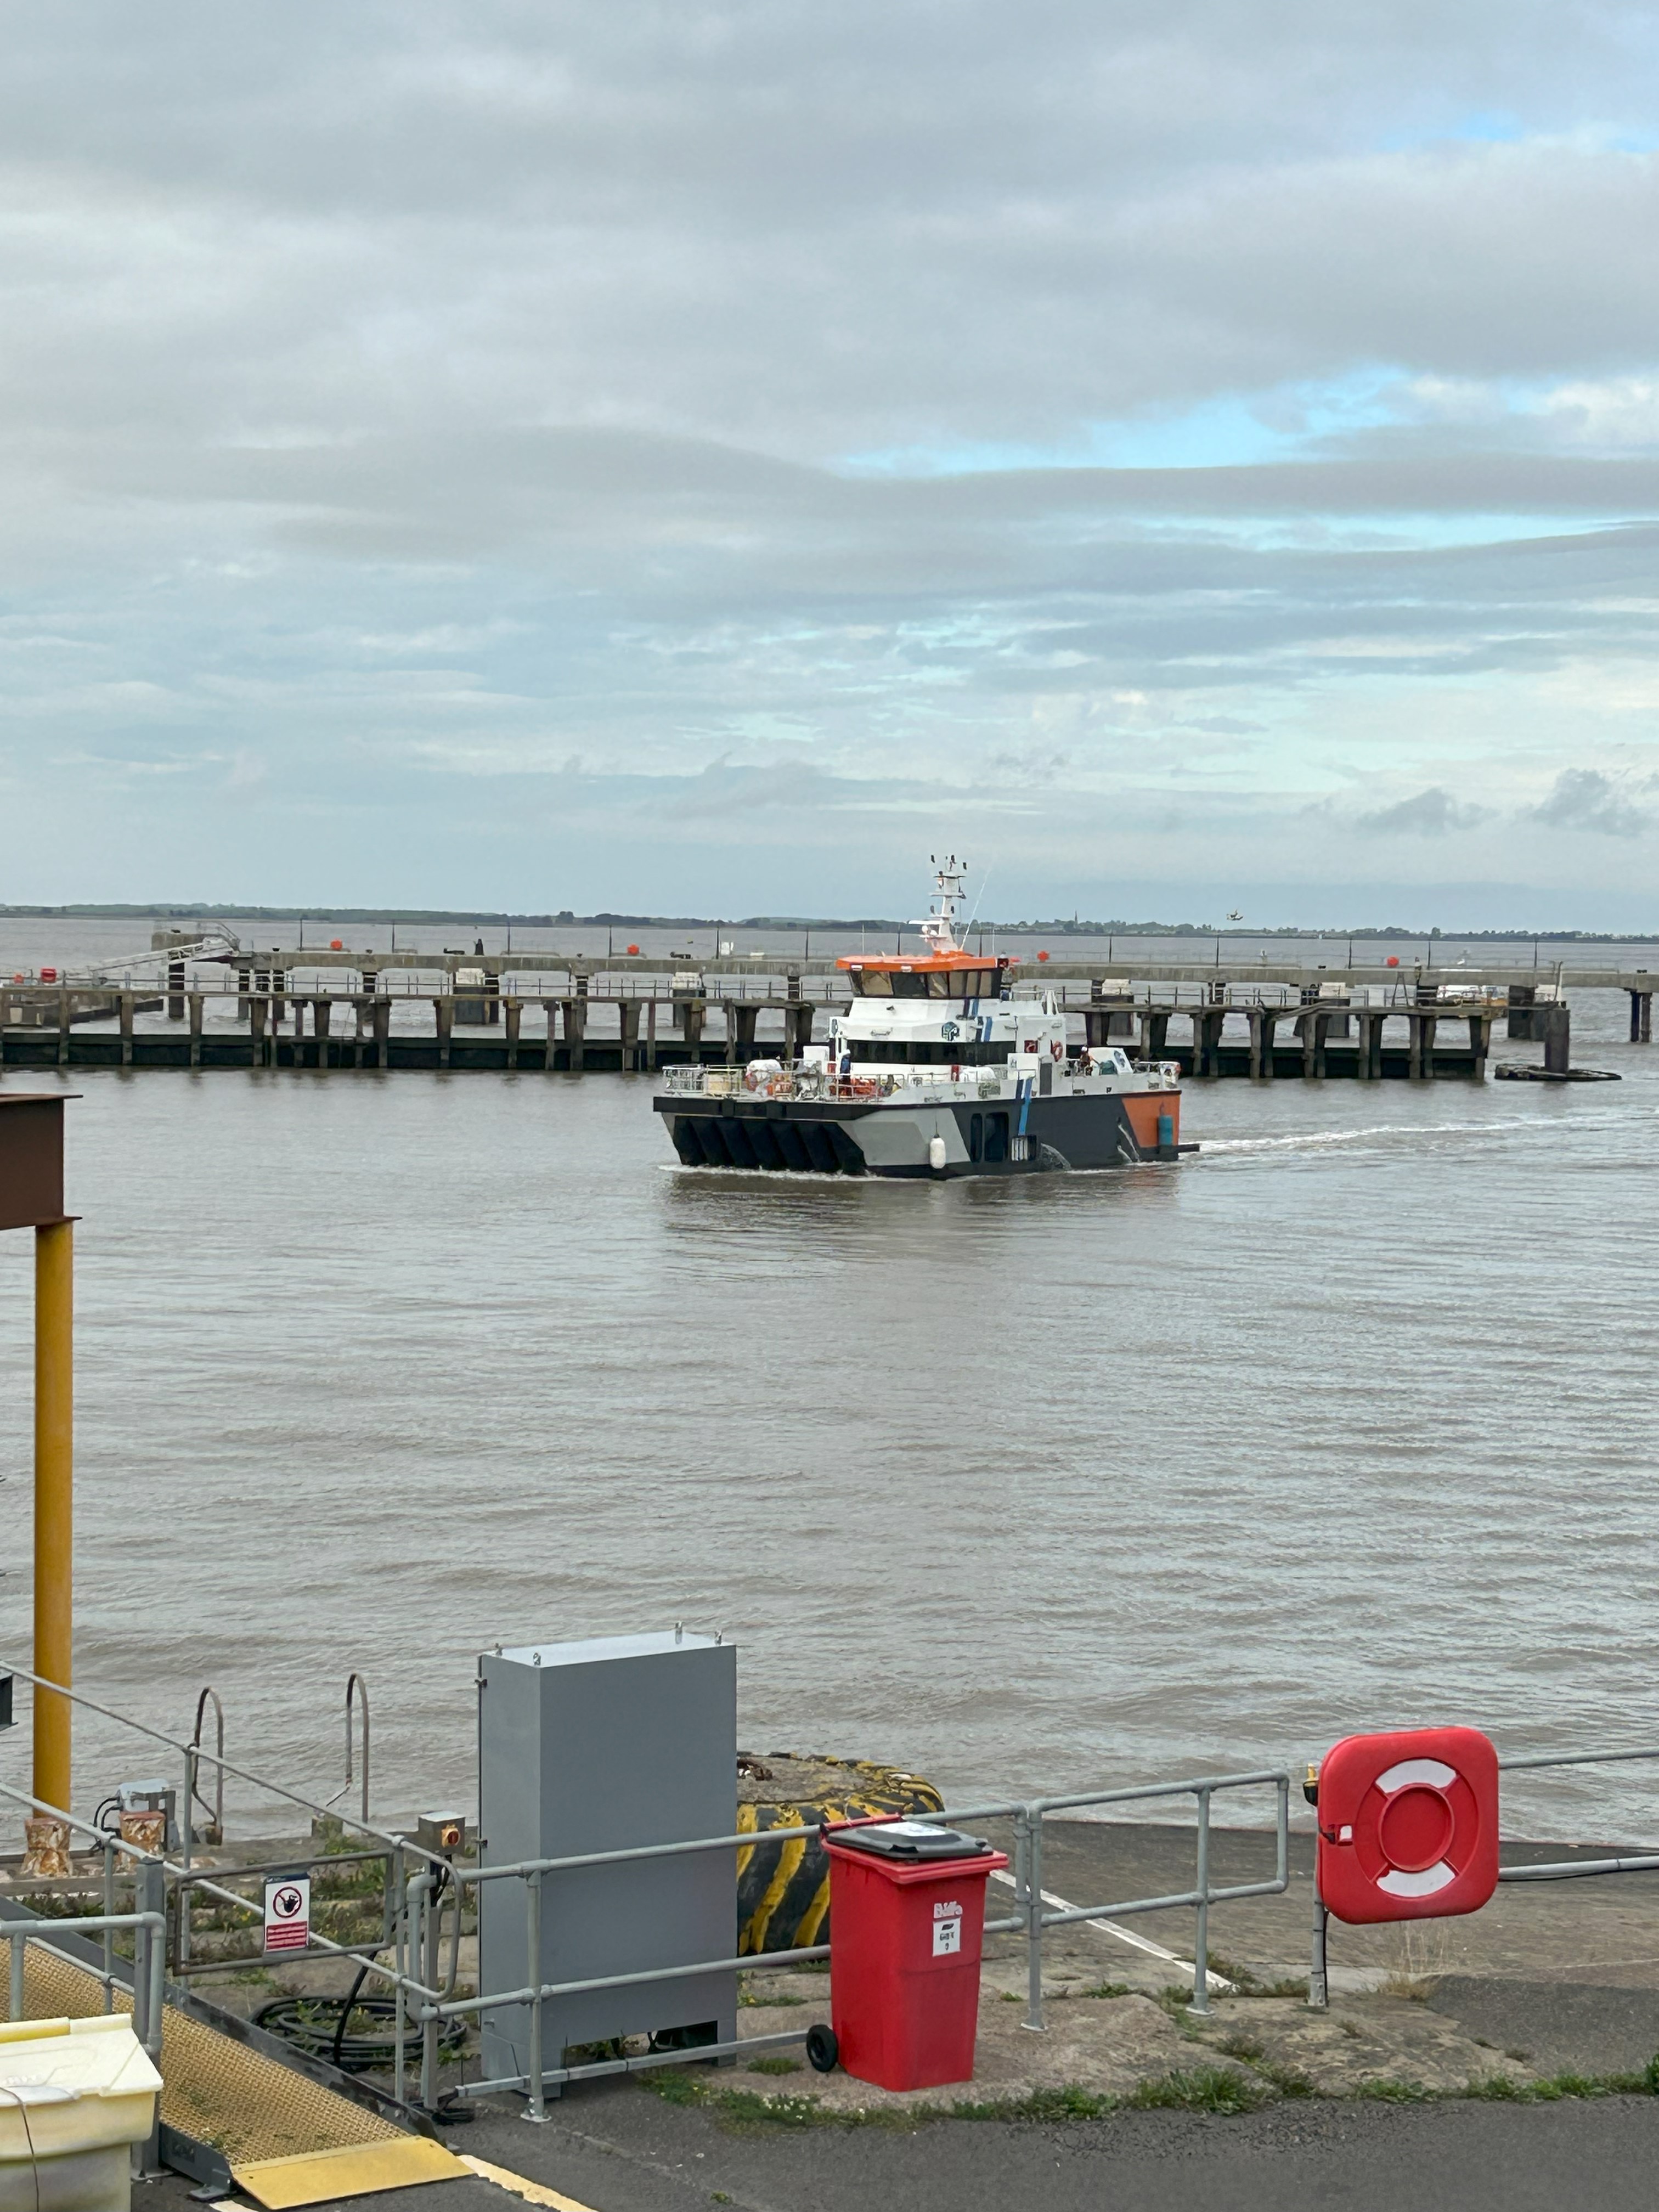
1408 1824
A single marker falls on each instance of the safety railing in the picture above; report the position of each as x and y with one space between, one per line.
1199 1899
425 1893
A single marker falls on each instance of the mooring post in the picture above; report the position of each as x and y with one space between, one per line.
575 1029
63 1029
322 1015
175 990
628 1014
443 1015
515 1009
651 1035
124 1007
382 1016
1556 1025
549 1007
196 1029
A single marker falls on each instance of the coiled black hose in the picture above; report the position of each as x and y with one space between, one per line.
354 2032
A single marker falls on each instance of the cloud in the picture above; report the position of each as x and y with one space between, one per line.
420 398
1584 799
1431 813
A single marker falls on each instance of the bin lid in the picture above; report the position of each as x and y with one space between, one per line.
911 1839
60 2061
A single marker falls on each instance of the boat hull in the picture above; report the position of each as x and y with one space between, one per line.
894 1137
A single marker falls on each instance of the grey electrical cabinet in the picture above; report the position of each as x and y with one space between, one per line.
602 1746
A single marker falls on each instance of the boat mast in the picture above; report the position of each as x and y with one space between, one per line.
938 931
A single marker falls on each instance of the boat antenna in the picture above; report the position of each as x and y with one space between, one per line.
974 917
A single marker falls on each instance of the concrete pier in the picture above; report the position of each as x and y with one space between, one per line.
547 1012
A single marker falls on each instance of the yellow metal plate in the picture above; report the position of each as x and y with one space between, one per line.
318 2177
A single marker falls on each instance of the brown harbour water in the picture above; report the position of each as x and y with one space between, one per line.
1071 1482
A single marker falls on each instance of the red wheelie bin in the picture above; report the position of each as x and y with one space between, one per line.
907 1918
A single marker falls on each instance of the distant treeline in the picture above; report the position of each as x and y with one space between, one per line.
1072 926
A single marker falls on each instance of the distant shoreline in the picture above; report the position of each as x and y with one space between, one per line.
470 917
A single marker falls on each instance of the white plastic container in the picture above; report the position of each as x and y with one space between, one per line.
75 2096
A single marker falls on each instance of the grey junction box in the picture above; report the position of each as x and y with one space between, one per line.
599 1747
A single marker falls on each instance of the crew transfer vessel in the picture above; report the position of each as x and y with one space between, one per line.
939 1067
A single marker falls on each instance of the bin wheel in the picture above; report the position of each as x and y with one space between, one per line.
822 2049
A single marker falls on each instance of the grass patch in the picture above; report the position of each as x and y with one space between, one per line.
1387 2092
1286 2080
1199 2089
1501 2089
1108 1989
1065 2104
776 2064
674 2085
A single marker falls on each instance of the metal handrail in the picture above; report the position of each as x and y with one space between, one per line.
217 1809
259 1781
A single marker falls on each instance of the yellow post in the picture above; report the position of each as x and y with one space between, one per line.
54 1502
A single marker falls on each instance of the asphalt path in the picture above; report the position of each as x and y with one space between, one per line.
618 2147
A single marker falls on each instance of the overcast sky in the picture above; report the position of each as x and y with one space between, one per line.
705 458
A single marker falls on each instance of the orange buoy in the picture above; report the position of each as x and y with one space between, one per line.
1393 960
632 950
335 944
1043 956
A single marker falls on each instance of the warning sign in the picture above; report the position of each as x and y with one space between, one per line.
288 1913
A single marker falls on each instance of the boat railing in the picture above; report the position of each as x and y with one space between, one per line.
770 1079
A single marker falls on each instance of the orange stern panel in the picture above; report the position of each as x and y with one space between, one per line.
1144 1108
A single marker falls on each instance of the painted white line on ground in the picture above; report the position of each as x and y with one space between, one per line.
1123 1935
533 2192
